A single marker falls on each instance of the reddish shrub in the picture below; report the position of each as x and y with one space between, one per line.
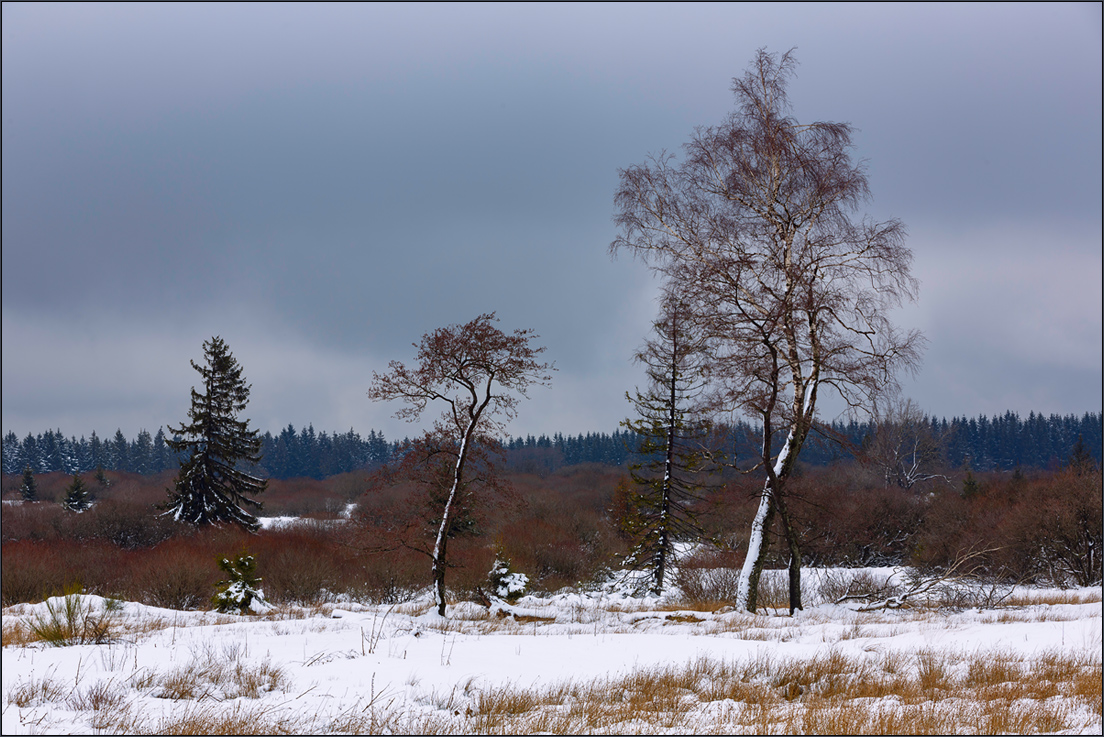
31 572
302 563
36 569
845 525
177 574
1046 528
710 575
31 521
302 497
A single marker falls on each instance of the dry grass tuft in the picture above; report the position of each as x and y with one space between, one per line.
221 680
73 620
33 692
832 693
1053 597
213 720
100 696
16 633
932 673
212 673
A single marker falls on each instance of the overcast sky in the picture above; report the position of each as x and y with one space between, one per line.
321 185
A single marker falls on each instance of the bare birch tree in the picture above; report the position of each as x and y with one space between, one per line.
903 446
757 227
479 374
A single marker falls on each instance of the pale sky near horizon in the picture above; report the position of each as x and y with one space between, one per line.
322 184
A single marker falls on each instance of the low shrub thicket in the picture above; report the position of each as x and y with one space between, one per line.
558 529
1046 528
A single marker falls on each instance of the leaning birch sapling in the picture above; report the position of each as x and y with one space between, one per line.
478 374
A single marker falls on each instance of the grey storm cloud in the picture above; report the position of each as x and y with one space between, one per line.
321 185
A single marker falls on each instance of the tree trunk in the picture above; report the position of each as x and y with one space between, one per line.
747 595
439 559
441 546
795 555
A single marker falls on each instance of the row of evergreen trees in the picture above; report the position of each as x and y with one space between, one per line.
52 451
984 444
287 455
999 443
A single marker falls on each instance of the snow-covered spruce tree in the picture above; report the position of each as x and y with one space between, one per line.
242 585
674 443
505 582
76 495
30 453
13 456
210 488
759 227
29 488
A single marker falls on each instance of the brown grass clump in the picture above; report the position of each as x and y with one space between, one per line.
36 691
831 693
220 675
71 620
1027 597
16 633
926 692
202 719
100 696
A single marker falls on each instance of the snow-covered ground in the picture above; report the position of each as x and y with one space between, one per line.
357 668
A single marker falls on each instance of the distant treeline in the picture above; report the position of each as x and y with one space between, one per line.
983 443
998 443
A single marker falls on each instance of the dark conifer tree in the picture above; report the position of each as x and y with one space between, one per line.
13 453
162 457
970 485
210 488
68 453
119 449
83 453
49 452
76 495
1080 460
29 487
673 444
379 452
141 453
99 455
30 453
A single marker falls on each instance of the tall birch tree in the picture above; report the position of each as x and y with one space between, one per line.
478 374
758 226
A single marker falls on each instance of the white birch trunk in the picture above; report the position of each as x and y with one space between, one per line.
758 533
438 587
755 544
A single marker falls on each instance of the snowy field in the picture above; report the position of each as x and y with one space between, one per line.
575 662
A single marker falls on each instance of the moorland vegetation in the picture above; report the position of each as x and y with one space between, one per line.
353 538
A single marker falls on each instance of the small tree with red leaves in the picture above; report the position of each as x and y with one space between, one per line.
479 375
